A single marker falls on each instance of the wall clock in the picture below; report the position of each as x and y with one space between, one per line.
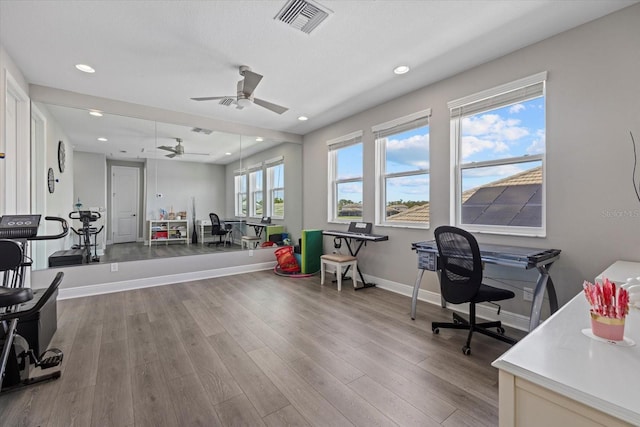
51 181
61 156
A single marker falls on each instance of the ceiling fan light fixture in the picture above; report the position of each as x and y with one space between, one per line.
244 102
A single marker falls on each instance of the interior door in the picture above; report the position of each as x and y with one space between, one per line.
125 195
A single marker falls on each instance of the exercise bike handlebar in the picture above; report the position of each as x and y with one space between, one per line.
41 302
63 224
91 215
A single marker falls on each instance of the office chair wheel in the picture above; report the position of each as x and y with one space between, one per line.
456 321
435 330
501 330
466 350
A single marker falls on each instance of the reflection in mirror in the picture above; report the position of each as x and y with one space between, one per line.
153 184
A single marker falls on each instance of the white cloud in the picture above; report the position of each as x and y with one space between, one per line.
516 108
472 145
490 132
538 144
409 181
412 151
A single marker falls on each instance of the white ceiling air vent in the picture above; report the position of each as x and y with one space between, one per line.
304 15
201 130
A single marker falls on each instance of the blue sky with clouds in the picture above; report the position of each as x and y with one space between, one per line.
511 131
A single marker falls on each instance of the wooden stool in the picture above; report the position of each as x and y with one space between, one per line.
339 261
250 241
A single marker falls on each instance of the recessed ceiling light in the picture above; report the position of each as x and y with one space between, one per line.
227 154
303 118
101 139
85 68
259 139
401 69
95 113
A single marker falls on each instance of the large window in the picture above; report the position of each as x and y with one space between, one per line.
402 171
498 139
345 178
240 194
255 192
275 189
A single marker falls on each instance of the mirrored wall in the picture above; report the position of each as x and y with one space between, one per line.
134 173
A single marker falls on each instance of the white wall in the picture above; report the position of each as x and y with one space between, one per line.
60 202
10 166
593 101
179 182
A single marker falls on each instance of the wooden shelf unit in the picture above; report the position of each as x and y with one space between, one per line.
169 230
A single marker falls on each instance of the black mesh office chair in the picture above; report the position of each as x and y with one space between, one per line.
461 282
219 229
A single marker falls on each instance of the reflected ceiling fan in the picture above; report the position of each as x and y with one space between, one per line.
244 97
178 150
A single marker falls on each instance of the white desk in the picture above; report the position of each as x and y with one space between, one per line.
557 376
204 224
620 271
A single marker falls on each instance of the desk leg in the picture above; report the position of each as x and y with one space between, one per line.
544 283
414 298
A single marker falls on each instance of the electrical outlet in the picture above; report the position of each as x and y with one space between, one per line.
114 267
250 252
527 294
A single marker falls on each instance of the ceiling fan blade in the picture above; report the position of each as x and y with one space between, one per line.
164 147
198 154
270 106
171 156
211 98
251 80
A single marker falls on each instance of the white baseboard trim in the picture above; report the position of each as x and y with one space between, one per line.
514 320
127 285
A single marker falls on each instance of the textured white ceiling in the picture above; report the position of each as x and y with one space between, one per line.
161 53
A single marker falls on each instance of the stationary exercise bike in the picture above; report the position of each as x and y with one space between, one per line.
18 303
84 234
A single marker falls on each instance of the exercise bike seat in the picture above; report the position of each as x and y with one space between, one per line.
13 296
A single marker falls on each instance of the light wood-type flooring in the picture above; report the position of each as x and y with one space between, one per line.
259 350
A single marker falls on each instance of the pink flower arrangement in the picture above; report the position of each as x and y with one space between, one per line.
606 299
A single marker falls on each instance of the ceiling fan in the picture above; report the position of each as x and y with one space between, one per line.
244 97
178 150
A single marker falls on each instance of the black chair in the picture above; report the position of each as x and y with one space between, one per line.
461 282
219 229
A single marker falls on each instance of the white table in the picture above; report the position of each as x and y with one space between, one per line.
204 224
557 376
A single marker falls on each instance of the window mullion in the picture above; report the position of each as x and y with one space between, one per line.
501 162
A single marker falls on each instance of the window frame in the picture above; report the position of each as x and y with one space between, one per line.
240 175
381 133
270 166
520 90
253 172
334 146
